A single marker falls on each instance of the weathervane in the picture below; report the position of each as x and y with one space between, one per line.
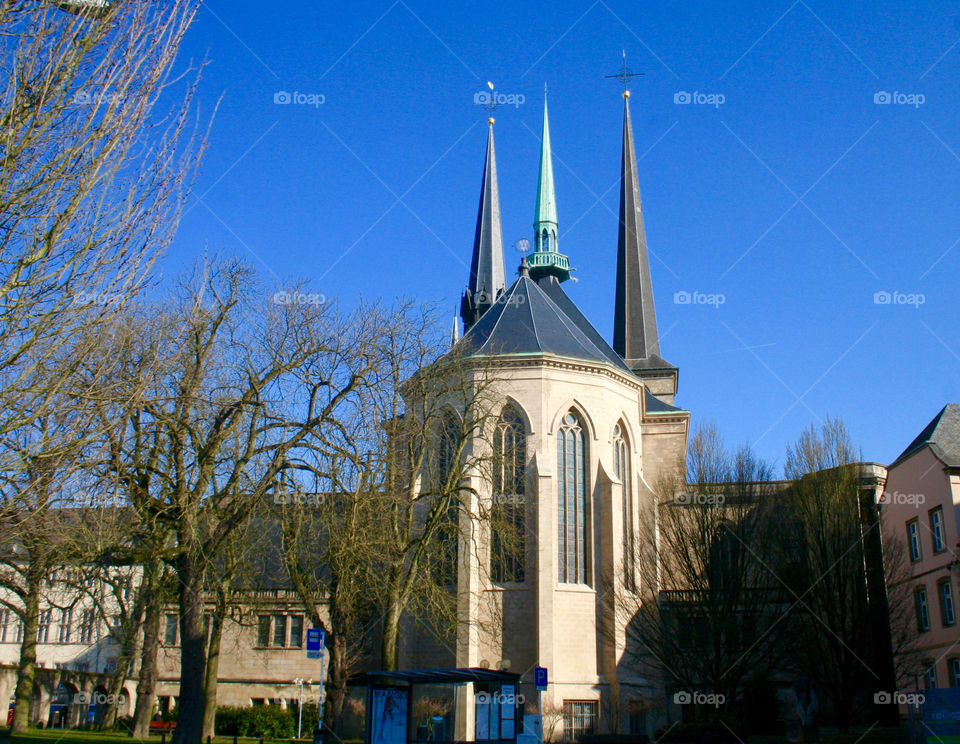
625 74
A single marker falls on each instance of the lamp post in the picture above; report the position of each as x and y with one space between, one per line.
301 682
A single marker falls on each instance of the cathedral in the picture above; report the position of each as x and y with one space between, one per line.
585 430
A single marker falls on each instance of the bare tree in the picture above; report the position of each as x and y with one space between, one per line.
237 384
706 614
91 178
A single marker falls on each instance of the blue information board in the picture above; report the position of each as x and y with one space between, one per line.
314 639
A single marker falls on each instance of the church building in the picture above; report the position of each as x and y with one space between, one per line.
586 430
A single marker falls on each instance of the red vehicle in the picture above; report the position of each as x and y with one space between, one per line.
10 714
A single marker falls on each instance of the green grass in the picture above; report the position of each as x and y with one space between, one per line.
74 736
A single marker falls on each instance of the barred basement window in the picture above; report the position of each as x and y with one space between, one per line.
572 502
508 514
579 718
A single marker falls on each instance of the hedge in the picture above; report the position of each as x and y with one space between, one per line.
268 721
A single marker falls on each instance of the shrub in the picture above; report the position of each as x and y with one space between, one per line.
268 721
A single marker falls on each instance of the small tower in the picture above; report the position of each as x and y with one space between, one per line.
487 277
635 336
546 258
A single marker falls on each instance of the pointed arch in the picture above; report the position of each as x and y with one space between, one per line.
572 404
508 512
511 402
573 557
623 470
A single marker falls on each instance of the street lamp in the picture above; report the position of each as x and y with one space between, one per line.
300 681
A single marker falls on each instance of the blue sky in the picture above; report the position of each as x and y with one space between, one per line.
796 199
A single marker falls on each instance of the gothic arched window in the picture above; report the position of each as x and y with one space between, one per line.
508 515
572 502
446 488
621 468
545 240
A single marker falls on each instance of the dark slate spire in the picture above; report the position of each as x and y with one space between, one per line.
635 336
487 276
635 318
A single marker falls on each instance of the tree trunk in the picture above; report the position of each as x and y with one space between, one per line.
147 683
336 683
128 652
193 652
213 666
391 631
27 668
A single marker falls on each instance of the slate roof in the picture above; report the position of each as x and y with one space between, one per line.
527 320
942 436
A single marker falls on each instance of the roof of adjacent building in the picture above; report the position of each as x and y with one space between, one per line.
533 318
942 436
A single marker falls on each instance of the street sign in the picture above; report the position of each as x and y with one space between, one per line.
540 678
314 641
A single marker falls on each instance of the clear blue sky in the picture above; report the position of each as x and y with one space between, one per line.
797 199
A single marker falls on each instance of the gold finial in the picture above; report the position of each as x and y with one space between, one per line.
490 121
626 94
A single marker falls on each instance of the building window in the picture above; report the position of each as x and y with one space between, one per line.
923 614
279 630
19 638
86 627
913 539
572 502
170 630
257 702
43 626
4 622
263 631
296 631
930 675
579 718
947 615
508 523
936 529
447 471
621 468
66 620
954 666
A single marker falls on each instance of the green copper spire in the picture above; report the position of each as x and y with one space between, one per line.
546 258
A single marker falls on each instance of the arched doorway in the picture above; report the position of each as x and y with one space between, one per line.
60 700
